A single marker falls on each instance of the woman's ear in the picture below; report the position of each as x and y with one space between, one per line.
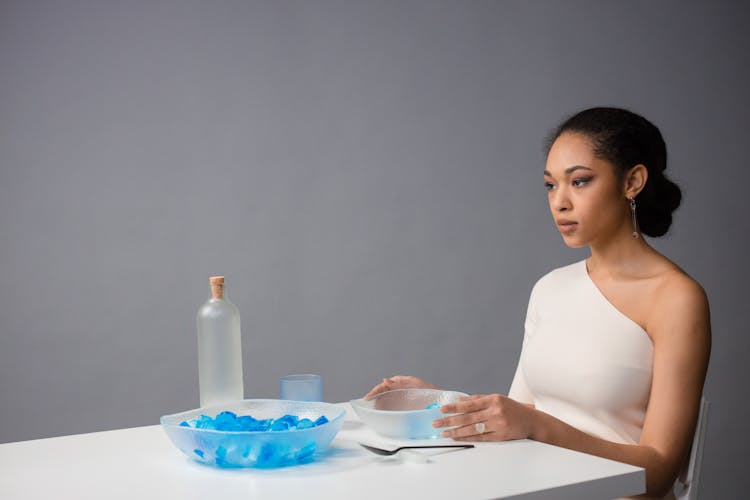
635 180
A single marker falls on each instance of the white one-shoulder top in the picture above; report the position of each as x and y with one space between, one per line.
583 361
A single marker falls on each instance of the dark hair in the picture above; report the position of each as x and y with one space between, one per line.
626 139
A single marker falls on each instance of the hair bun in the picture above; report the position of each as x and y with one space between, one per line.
654 206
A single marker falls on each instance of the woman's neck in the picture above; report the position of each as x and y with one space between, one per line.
620 255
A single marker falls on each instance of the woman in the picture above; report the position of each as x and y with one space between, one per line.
616 347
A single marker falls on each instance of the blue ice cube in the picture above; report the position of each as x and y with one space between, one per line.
305 423
247 423
221 456
432 406
290 420
306 452
266 455
280 425
226 421
205 422
282 453
321 420
264 425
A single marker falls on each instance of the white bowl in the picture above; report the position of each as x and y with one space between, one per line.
403 413
256 448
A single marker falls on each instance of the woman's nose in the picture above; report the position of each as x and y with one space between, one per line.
561 201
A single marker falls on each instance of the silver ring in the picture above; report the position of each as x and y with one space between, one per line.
479 427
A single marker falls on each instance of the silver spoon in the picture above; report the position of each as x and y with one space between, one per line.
381 451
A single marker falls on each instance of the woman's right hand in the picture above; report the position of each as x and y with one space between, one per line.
399 382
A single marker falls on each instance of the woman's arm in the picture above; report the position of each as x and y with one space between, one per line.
680 330
399 382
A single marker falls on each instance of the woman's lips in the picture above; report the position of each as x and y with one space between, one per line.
567 226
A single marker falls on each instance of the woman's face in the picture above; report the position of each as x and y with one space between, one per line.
586 198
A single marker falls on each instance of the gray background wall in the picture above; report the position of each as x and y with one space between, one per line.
366 174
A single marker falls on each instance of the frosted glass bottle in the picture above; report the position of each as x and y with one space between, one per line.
219 348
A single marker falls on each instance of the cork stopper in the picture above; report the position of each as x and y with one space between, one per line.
217 286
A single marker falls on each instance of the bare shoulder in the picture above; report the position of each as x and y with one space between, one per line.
680 305
678 289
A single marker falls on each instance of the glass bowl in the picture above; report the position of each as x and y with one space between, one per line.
256 448
403 413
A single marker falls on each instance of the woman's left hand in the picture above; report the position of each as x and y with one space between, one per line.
486 417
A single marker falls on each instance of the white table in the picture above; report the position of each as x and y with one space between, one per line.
141 463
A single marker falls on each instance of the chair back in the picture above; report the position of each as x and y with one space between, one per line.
688 481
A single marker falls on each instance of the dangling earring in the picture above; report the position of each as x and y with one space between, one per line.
633 218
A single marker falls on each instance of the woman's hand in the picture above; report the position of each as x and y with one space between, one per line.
487 417
399 382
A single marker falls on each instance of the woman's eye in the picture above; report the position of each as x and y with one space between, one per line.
581 182
549 186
